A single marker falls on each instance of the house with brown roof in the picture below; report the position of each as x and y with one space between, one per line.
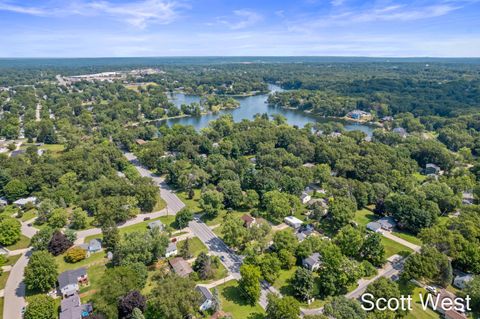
248 221
180 266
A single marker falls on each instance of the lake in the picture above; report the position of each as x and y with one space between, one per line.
252 105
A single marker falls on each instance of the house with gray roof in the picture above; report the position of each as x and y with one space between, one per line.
387 223
432 169
400 131
3 202
171 250
312 262
461 281
374 226
69 281
206 298
24 201
95 245
72 308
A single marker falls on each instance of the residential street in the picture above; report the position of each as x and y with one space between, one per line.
14 292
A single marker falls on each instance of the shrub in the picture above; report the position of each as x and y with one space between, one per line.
75 254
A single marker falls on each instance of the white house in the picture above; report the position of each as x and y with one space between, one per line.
171 250
312 262
293 221
3 202
305 197
69 281
24 201
206 300
375 227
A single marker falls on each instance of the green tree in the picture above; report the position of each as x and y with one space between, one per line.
350 240
111 236
233 232
173 297
303 284
58 218
250 282
41 272
211 202
9 231
284 240
270 267
15 189
183 217
343 308
42 238
282 308
232 192
40 307
373 250
473 290
341 211
251 199
79 219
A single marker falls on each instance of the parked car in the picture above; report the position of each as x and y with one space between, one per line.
431 289
146 218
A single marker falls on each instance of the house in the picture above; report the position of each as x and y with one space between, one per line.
461 281
24 201
139 141
387 118
180 267
253 160
72 308
95 245
312 262
308 165
447 314
3 202
319 205
400 131
206 298
387 223
359 115
431 168
156 223
293 222
69 281
374 226
467 198
171 250
302 235
248 221
16 153
305 197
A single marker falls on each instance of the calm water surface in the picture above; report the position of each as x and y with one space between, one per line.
252 105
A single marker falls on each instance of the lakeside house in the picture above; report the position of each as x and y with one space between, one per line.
359 115
206 298
432 169
69 281
312 262
248 221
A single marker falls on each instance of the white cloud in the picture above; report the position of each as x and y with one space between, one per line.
138 14
241 19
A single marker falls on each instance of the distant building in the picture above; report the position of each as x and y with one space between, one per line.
387 118
248 221
69 281
374 226
171 250
432 169
3 202
312 262
180 267
16 153
304 234
206 298
467 198
308 165
359 115
156 223
139 141
400 131
293 221
305 197
461 281
24 201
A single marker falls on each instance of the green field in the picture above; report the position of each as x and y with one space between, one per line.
234 303
24 242
3 279
196 246
393 248
417 311
97 258
364 216
191 203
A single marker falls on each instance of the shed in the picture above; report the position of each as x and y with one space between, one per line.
293 221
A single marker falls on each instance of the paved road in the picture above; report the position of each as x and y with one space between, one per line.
217 247
14 292
390 269
15 289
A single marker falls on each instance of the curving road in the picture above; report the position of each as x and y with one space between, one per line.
14 292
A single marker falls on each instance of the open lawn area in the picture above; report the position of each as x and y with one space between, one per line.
393 248
196 246
233 302
161 204
94 273
3 279
24 242
364 216
1 308
11 260
191 203
28 215
97 258
417 311
408 237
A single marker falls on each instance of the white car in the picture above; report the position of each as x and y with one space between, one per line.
431 289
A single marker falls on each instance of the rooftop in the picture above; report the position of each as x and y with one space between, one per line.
70 277
180 267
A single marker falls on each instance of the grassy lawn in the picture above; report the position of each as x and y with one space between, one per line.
97 258
1 308
364 216
161 204
408 237
419 177
234 303
28 215
220 272
24 242
3 279
166 220
196 246
191 203
392 247
11 260
94 273
417 311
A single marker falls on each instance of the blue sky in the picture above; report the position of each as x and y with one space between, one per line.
103 28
